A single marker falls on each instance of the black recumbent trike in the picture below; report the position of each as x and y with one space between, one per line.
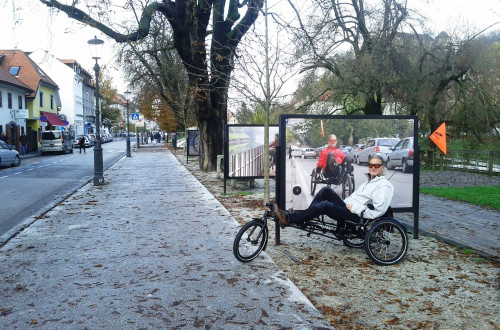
384 239
334 175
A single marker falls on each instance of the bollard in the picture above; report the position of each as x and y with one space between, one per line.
220 165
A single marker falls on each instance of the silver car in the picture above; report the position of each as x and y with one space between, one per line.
9 155
402 155
309 152
378 146
354 152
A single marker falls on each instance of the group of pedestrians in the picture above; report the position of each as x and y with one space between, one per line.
23 141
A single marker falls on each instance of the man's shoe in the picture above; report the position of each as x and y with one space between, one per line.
281 216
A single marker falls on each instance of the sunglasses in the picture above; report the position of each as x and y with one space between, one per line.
370 165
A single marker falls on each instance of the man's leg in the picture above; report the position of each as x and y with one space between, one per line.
337 212
328 194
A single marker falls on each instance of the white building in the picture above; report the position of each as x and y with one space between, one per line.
75 89
13 111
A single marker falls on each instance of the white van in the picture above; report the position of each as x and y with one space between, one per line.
56 141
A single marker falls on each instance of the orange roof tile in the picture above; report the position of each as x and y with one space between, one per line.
7 78
30 73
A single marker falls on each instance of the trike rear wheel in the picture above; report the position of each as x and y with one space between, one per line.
386 242
250 240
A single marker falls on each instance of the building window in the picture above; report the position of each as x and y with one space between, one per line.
14 70
9 100
20 102
52 101
1 105
41 99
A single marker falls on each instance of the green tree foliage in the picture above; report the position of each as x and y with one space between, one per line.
110 109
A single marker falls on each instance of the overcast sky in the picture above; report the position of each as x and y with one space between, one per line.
65 38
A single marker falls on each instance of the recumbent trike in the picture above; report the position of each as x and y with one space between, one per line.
384 239
336 175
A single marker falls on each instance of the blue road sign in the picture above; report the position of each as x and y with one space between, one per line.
135 116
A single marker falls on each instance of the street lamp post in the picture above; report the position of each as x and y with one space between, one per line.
95 49
127 96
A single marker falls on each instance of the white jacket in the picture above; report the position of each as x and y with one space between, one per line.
378 191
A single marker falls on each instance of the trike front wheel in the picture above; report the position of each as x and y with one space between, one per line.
313 182
250 240
386 242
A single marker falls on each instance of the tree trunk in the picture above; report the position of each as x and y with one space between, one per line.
373 104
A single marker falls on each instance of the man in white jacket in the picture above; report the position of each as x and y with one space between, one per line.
377 191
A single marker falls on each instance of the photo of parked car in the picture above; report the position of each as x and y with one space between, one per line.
354 153
378 146
402 155
296 152
308 153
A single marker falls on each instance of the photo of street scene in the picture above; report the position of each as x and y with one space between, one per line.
193 143
245 150
359 139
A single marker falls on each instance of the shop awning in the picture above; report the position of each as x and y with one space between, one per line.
53 118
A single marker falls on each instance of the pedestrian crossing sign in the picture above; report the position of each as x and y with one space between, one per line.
135 116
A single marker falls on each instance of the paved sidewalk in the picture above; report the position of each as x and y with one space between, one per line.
151 249
459 223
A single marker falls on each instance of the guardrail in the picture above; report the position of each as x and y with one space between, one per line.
247 163
487 162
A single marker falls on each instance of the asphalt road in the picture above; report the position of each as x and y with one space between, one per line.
298 173
39 183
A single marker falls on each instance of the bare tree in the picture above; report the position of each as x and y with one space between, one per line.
158 77
262 78
208 61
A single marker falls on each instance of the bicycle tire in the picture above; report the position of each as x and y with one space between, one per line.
250 240
386 242
346 186
313 182
354 242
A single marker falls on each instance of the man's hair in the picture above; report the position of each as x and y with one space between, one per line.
333 136
379 158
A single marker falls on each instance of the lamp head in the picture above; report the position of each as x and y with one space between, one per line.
95 46
127 95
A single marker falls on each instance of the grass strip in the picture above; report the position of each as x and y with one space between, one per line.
488 196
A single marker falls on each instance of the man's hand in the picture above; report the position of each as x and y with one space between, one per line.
349 207
318 169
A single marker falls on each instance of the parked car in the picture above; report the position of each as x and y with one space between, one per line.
92 137
56 141
377 146
402 155
8 155
354 152
88 143
345 149
308 152
296 152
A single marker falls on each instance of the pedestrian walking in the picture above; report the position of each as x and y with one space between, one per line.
81 144
24 144
4 138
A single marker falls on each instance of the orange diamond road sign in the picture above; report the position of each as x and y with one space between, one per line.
439 137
